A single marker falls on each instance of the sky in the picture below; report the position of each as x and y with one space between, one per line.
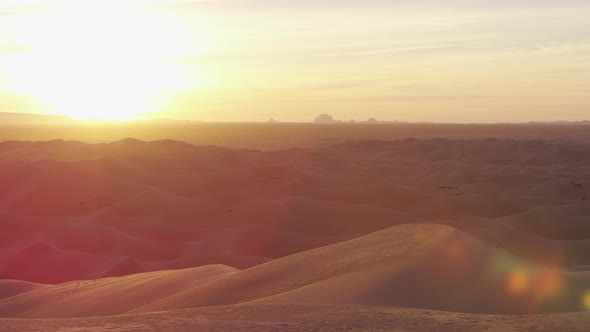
251 60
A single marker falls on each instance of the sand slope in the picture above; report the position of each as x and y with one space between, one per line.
417 266
108 296
10 288
411 265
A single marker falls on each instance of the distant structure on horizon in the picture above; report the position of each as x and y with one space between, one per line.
324 118
327 118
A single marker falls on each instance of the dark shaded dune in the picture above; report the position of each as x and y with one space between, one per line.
116 167
566 254
251 180
267 242
168 201
64 150
81 189
101 240
38 260
147 202
409 265
14 229
315 217
10 288
153 228
183 220
572 229
391 196
420 204
124 266
571 188
275 228
55 149
176 149
28 224
488 151
486 206
504 175
16 180
310 230
573 222
154 165
525 243
286 233
149 155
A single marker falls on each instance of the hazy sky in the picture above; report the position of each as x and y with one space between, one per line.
250 60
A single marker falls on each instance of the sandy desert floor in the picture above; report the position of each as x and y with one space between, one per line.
379 233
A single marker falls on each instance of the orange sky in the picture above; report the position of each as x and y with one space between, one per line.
250 60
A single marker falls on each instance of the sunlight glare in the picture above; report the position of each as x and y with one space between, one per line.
100 62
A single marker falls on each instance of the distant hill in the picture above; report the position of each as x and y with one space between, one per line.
28 118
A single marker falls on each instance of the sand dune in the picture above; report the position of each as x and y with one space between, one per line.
130 195
409 265
108 296
416 266
10 288
499 224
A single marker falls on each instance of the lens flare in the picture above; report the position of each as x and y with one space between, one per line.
551 284
518 281
454 250
586 300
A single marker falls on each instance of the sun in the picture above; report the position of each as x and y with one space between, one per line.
104 62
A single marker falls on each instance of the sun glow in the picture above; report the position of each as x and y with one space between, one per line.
104 62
